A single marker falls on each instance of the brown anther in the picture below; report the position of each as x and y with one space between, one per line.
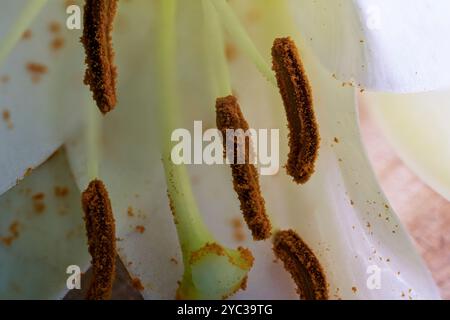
101 73
302 264
100 229
245 176
298 103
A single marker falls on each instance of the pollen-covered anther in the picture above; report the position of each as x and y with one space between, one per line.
245 175
299 260
100 228
101 73
298 103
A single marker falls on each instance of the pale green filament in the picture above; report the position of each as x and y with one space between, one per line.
207 273
243 40
92 136
216 55
27 16
214 43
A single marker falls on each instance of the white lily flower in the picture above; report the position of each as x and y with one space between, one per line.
340 212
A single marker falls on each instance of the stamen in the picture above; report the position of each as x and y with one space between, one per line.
215 50
28 14
302 264
298 103
245 176
100 229
208 275
93 140
101 73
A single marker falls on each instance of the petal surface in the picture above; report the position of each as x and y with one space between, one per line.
381 45
40 91
41 233
416 125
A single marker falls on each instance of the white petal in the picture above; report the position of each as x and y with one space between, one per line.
417 126
41 113
385 45
50 235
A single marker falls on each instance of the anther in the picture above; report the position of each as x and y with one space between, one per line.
101 236
101 73
299 260
298 103
245 176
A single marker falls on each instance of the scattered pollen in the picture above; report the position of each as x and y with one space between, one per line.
238 232
137 284
6 115
36 70
27 35
302 264
39 196
230 52
101 72
216 249
101 239
245 176
54 27
61 192
140 229
13 234
38 202
57 44
298 103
